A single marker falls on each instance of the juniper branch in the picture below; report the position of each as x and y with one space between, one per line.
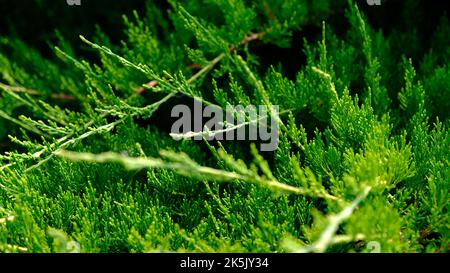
65 141
247 39
21 124
15 248
328 237
329 80
7 219
186 167
105 128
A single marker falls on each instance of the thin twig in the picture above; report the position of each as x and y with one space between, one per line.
14 248
329 80
20 89
328 236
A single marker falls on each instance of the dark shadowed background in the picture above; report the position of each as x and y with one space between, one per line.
35 21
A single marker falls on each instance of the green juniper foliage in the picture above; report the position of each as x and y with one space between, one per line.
89 165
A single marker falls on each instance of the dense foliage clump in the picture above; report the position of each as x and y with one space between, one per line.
88 163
